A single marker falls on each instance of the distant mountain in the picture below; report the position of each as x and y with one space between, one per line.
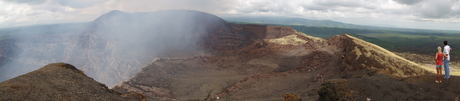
113 47
291 21
279 20
116 45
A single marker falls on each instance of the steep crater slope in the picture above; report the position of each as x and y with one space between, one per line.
114 47
377 74
279 61
59 81
359 55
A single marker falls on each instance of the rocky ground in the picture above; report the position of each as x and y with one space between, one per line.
384 87
223 61
59 81
281 61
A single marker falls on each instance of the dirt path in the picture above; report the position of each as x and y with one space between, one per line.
454 70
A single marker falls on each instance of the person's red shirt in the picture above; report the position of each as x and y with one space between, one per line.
439 58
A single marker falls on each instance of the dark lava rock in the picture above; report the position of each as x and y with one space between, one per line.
59 81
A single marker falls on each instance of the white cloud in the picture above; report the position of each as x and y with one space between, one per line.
20 14
32 2
436 9
27 12
408 2
369 12
69 3
79 3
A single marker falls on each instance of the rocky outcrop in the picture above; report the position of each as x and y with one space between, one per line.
360 55
59 81
209 77
279 60
382 86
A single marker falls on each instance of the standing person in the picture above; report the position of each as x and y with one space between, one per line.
446 52
438 58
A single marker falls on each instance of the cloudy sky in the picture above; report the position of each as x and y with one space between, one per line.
420 14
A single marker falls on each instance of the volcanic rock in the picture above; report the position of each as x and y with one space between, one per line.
116 45
58 81
191 55
280 60
383 87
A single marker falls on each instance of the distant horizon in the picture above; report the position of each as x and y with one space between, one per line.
229 16
360 24
414 14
